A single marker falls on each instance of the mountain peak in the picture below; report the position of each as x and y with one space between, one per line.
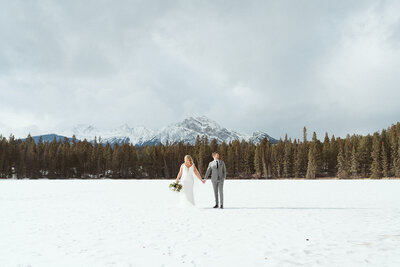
124 128
198 123
83 129
203 118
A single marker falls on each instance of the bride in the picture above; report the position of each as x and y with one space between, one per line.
186 174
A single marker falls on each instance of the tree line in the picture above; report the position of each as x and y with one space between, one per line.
356 156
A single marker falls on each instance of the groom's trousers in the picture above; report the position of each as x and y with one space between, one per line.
218 188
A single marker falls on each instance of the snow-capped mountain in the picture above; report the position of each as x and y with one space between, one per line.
123 134
186 131
83 131
257 136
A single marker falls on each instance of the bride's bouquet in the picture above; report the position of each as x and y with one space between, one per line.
175 187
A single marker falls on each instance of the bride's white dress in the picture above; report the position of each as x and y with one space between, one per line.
186 193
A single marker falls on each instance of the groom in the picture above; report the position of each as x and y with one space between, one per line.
218 175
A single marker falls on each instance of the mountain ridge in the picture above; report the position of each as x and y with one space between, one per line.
186 130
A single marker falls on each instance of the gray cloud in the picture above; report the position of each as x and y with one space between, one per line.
250 65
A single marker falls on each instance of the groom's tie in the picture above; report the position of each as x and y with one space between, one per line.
217 164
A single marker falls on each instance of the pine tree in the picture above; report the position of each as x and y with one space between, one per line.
258 161
248 159
107 155
294 158
31 159
332 164
277 159
326 154
230 168
312 165
3 157
287 158
301 161
341 163
267 163
397 159
347 153
236 157
354 163
117 160
365 147
223 149
196 152
203 155
314 158
385 161
213 145
376 168
394 153
298 160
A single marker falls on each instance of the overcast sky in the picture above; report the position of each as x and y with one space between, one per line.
273 66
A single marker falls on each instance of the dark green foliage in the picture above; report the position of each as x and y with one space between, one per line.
314 158
341 162
354 163
376 166
301 160
287 158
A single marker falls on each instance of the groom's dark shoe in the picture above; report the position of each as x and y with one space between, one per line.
216 206
222 206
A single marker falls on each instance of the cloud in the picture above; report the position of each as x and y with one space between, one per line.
257 65
358 80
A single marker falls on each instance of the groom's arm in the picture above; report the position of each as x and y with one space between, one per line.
224 170
208 171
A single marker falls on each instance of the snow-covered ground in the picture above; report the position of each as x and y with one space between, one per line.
139 223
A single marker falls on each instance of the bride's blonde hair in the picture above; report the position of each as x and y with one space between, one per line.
189 158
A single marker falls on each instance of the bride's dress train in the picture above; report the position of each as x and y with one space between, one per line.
186 195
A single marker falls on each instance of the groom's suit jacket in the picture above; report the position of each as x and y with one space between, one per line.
216 173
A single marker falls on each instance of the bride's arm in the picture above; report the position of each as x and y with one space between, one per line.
179 175
196 172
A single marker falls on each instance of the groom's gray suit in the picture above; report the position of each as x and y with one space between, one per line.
218 175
